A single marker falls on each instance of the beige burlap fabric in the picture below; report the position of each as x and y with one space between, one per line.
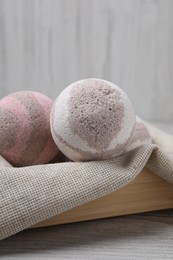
29 195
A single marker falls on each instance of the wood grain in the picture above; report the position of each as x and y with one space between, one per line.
143 236
147 192
45 45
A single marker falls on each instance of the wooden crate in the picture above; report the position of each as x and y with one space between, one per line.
147 192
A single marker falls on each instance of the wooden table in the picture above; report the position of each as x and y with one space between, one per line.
143 236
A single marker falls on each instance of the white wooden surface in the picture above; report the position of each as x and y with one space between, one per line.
136 237
45 45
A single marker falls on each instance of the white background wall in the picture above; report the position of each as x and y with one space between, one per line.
47 44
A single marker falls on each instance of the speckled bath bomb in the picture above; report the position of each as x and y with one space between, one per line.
141 135
25 137
92 119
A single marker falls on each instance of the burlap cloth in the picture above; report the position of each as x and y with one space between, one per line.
32 194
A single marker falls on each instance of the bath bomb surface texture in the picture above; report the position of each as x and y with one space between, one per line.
92 119
141 135
25 137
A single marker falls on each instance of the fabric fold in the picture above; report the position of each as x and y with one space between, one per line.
29 195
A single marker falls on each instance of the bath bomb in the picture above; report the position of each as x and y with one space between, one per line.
92 119
25 137
141 135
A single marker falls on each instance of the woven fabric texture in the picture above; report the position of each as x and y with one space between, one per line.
29 195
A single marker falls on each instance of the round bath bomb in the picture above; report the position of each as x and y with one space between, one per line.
25 137
92 119
141 135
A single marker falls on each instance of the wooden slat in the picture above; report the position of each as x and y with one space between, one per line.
147 192
55 43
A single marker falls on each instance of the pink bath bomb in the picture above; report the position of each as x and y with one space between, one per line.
25 137
141 135
92 119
